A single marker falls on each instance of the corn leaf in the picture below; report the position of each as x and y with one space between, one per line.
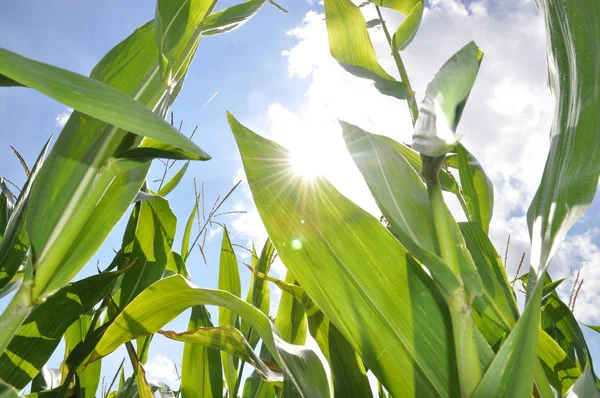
477 188
147 251
570 177
350 45
331 251
42 330
561 371
93 98
227 339
230 18
201 372
229 281
88 377
259 294
14 244
185 241
413 11
444 102
79 164
291 318
166 299
174 181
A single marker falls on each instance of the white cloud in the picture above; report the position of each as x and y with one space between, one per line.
159 368
506 122
62 118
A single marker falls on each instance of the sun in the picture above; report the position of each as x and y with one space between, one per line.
303 165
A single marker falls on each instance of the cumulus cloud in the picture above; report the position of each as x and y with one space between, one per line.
506 122
161 369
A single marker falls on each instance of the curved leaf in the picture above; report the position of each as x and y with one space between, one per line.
163 301
477 188
354 270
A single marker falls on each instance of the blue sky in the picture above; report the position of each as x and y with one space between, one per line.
275 74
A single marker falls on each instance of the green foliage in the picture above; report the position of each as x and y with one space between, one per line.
415 298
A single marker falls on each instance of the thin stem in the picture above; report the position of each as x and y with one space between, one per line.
411 101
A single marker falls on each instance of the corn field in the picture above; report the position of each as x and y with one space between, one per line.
414 303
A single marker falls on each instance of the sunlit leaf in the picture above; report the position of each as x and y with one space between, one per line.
350 45
352 268
174 181
444 102
166 299
477 188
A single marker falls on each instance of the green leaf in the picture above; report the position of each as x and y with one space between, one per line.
570 177
229 281
227 339
85 199
94 98
496 310
166 299
444 102
147 252
407 30
259 293
46 379
350 45
561 371
15 243
230 18
42 330
6 391
291 318
201 374
503 378
185 241
174 181
354 270
477 188
88 376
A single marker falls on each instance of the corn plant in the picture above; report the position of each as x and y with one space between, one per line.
421 301
75 195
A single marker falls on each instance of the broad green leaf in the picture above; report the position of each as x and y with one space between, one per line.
46 379
15 243
503 379
585 386
86 199
229 281
570 177
93 98
562 320
347 369
146 254
350 45
407 208
477 188
166 299
42 330
201 373
88 376
444 102
227 339
174 181
561 371
230 18
354 270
